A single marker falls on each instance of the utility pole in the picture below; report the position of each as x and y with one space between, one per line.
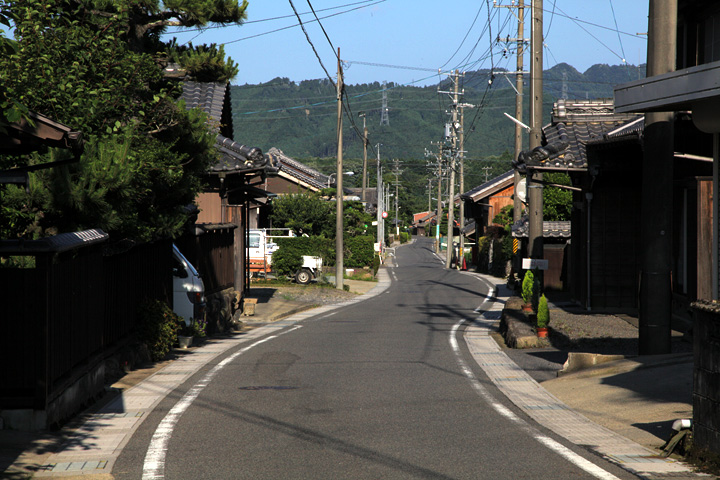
438 215
534 194
365 144
451 189
429 194
461 212
339 267
397 172
378 194
655 305
517 204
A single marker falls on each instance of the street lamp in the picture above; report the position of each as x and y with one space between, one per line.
349 174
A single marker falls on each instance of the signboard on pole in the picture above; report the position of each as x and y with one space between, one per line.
533 263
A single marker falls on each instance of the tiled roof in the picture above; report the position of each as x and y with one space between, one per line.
520 229
488 188
422 219
236 157
214 100
577 122
297 170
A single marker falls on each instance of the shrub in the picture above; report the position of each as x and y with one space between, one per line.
376 264
359 251
404 237
543 314
157 327
315 246
196 329
528 286
286 260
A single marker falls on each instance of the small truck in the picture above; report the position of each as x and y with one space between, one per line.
261 247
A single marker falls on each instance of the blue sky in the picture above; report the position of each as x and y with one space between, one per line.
407 41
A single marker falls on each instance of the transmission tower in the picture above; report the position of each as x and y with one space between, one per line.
384 116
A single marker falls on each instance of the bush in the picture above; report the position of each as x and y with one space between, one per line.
286 261
376 264
404 237
528 285
543 314
157 327
314 246
359 251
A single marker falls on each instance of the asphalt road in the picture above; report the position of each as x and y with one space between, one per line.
372 390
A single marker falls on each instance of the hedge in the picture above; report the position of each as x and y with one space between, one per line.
358 252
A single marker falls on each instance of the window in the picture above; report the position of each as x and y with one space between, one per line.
254 240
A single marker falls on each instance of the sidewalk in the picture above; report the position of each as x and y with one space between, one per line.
616 409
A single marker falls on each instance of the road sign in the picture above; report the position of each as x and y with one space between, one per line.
533 263
384 214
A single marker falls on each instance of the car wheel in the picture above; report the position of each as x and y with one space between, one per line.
303 276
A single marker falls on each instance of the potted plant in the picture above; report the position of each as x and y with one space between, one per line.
528 290
543 317
187 333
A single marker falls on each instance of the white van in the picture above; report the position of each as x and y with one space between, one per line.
188 289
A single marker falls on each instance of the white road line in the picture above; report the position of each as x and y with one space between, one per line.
154 465
565 452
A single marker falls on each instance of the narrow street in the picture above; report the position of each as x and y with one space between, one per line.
383 388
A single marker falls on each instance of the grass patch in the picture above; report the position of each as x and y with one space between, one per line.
282 281
365 276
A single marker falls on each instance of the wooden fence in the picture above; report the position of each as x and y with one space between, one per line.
211 252
68 310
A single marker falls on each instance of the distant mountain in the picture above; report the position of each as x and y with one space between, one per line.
301 118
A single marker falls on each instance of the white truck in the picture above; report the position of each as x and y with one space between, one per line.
262 246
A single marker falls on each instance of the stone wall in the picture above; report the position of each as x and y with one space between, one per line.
221 307
706 389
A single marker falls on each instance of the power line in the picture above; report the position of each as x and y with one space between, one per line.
282 17
464 38
384 65
322 28
300 24
311 44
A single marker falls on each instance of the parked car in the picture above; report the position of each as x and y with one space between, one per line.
262 246
188 289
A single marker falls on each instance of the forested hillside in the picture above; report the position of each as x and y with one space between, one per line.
301 119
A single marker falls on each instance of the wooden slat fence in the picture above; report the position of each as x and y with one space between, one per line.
68 311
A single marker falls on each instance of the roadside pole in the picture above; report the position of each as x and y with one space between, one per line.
339 260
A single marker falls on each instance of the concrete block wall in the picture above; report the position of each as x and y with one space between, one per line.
706 376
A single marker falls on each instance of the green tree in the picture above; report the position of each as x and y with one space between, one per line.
147 19
356 222
204 63
144 152
304 213
557 202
